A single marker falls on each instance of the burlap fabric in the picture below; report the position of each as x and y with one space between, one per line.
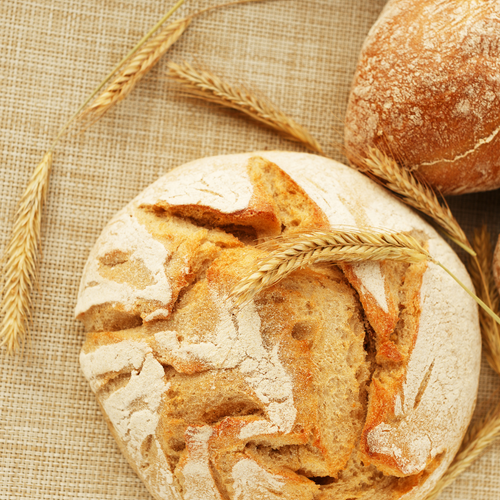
54 443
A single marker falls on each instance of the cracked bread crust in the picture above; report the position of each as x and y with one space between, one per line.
332 384
426 90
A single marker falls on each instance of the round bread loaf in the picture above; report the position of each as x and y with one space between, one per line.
355 381
427 91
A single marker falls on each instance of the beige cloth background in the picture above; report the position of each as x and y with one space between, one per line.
54 443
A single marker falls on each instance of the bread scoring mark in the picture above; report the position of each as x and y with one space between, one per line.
372 281
412 457
336 187
159 478
444 348
127 355
252 482
328 192
255 215
130 271
204 184
330 195
134 409
237 343
198 482
127 236
423 385
434 346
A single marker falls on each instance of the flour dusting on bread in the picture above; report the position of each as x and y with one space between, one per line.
125 247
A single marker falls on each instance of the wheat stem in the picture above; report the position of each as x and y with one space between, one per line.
211 88
486 308
145 56
479 268
20 258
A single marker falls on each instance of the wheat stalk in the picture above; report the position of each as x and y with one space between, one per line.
335 246
20 258
211 88
478 438
402 182
138 66
479 268
79 112
141 60
318 246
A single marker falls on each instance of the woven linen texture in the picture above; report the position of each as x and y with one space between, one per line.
54 443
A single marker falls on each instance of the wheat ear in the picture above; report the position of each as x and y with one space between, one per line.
20 258
335 246
482 277
211 88
135 69
386 170
318 246
478 438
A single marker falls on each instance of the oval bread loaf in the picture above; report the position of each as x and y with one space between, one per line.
427 92
356 381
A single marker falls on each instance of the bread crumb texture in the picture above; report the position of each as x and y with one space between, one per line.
426 91
343 382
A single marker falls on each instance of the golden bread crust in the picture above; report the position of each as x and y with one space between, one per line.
313 391
426 91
